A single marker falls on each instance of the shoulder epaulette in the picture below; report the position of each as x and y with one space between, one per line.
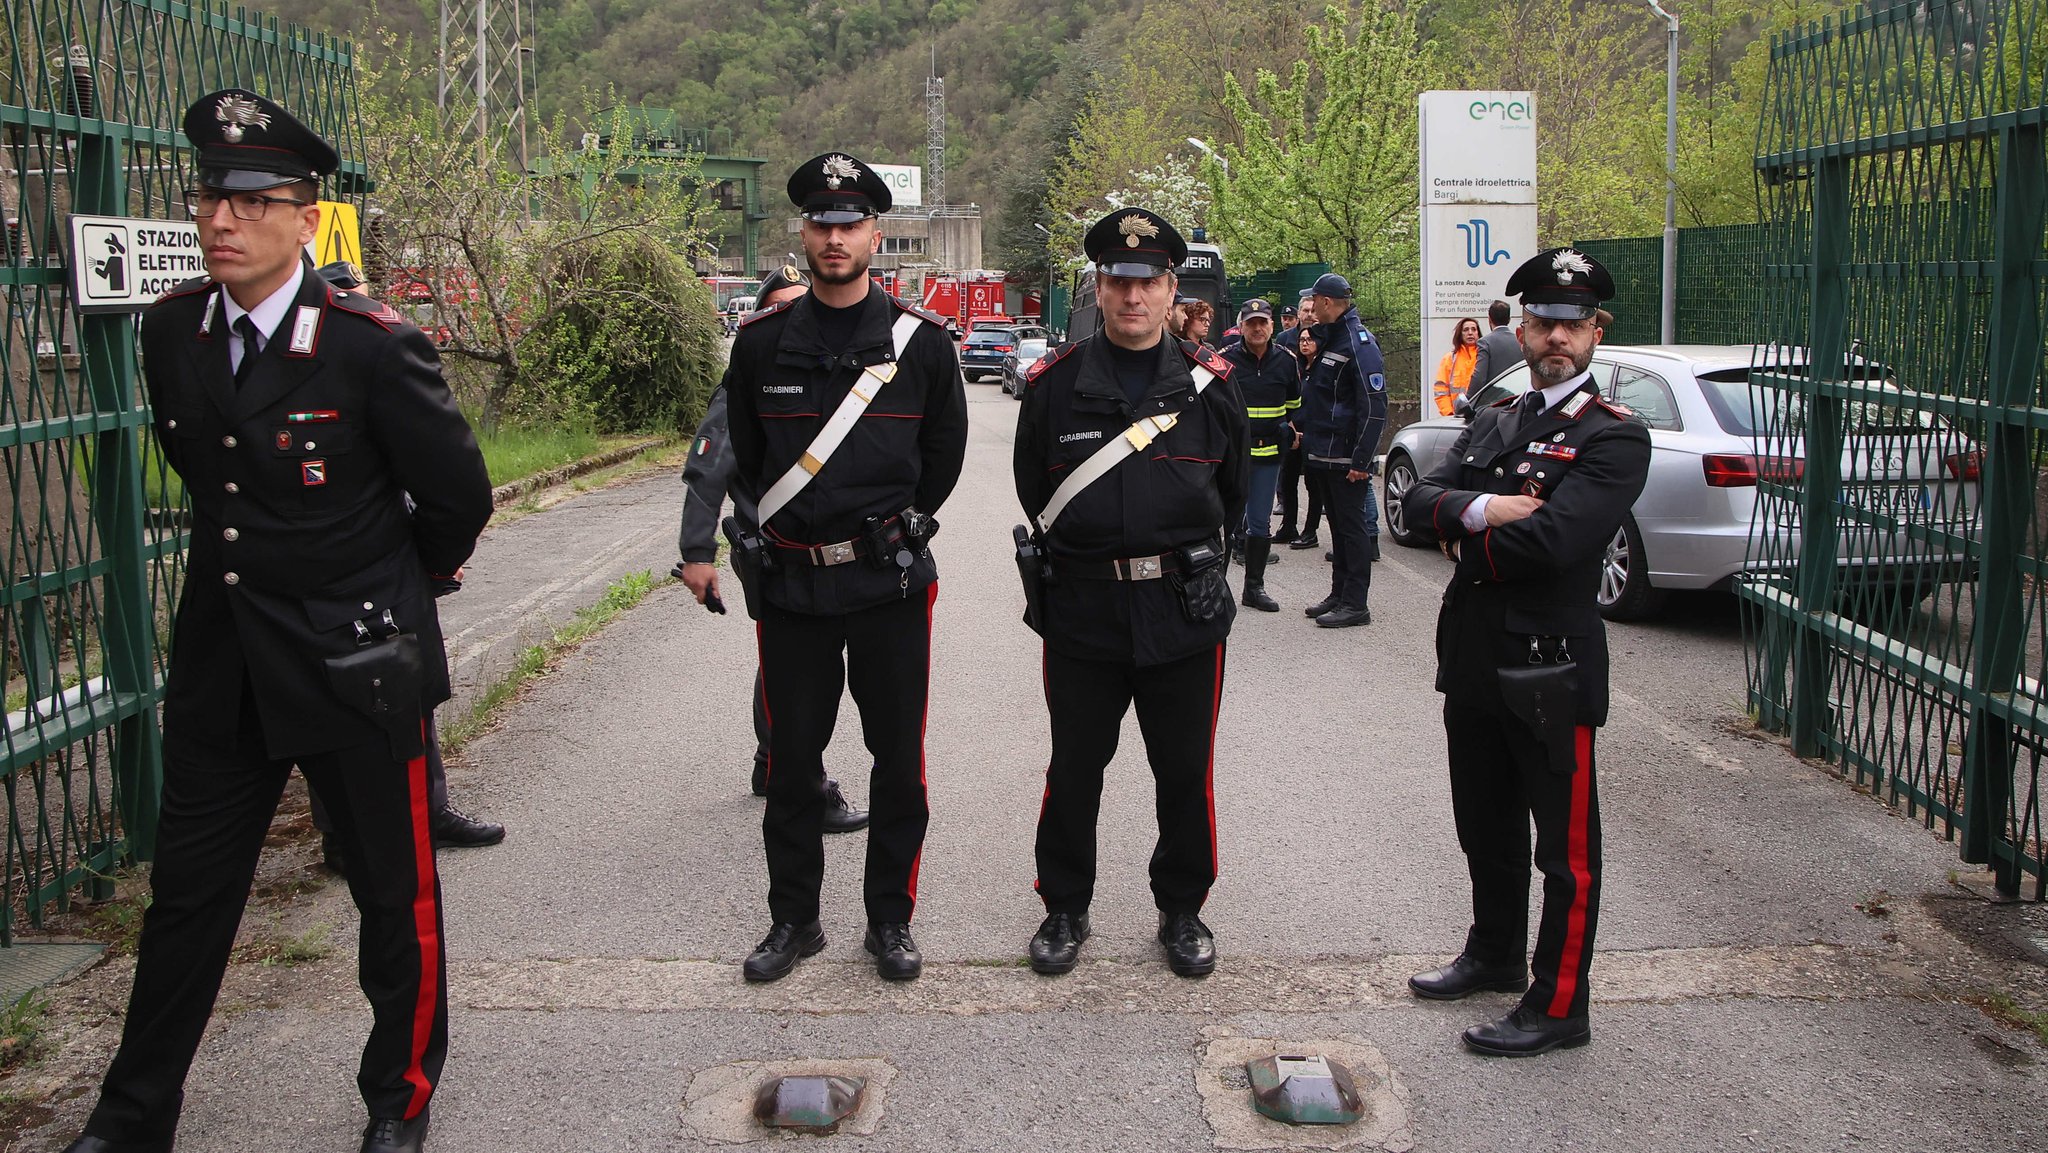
196 284
1505 401
350 301
1206 357
1621 410
771 310
927 315
1050 359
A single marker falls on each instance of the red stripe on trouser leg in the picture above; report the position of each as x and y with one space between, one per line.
924 722
426 918
1209 776
761 686
1582 875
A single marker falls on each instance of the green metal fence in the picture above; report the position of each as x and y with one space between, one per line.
91 94
1720 296
1899 594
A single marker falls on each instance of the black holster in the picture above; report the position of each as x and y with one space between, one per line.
1034 568
752 561
1545 697
1200 583
382 679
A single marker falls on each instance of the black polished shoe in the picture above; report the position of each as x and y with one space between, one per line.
841 817
455 829
1056 947
896 955
87 1143
1308 541
1320 607
332 856
1190 946
760 783
1466 976
392 1135
778 952
1372 545
1344 618
1526 1032
1284 533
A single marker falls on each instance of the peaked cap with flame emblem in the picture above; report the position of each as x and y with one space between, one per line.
837 189
1134 242
1562 284
247 143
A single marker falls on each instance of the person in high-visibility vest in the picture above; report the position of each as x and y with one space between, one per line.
1454 371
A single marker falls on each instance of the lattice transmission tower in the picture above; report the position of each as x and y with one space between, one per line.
483 57
935 135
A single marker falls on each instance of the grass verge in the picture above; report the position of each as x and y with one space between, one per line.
2002 1007
534 660
515 451
21 1029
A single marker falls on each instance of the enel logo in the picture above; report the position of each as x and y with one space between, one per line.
1506 109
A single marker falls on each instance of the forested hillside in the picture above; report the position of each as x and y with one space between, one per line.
1102 90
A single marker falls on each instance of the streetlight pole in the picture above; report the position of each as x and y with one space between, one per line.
1668 319
1045 302
1211 153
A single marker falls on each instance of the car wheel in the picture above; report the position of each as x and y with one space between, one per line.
1400 478
1625 593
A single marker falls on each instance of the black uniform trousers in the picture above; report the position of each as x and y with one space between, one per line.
1501 776
1350 540
884 653
217 808
1291 477
1177 705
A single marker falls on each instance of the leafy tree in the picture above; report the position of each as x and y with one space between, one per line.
1327 168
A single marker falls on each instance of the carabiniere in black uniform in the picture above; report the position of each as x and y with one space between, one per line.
1114 613
845 595
307 585
1522 663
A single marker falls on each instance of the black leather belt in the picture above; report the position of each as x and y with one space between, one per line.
1137 568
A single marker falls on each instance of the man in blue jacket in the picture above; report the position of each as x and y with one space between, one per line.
1343 410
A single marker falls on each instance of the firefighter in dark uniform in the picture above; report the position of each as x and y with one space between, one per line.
1269 378
1343 410
298 415
706 477
1525 503
1135 608
838 574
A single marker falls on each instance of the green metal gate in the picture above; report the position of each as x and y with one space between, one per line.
91 94
1899 595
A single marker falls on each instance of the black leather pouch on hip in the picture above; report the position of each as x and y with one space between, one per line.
1545 697
1034 572
750 559
383 679
1201 584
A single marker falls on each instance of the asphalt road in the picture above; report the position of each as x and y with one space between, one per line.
1742 999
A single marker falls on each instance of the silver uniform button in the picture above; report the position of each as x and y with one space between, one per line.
309 446
170 424
369 606
232 487
231 534
233 578
228 442
1500 472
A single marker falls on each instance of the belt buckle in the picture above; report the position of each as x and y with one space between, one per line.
1145 568
838 553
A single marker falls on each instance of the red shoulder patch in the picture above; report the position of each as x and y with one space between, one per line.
196 284
926 315
1621 410
351 301
1504 402
1050 359
771 310
1208 358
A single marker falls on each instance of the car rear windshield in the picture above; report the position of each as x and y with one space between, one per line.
1030 348
997 337
1751 410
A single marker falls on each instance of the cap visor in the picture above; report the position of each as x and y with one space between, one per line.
1555 310
836 216
245 179
1136 270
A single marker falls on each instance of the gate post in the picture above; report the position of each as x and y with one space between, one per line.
1827 343
2007 496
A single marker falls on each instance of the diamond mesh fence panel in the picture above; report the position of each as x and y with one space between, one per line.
91 95
1895 604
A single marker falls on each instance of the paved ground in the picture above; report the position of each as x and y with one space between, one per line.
1742 998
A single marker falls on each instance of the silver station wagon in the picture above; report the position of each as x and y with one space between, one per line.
1714 437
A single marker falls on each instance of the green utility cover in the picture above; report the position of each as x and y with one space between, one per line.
816 1104
1309 1089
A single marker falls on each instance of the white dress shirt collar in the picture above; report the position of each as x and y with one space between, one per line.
270 313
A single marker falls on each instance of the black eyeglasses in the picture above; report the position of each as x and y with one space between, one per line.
204 202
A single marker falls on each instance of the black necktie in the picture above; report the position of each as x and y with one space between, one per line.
1527 410
246 329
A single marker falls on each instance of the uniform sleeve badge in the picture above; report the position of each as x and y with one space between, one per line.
313 473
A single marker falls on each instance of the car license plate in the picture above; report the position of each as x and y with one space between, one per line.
1898 501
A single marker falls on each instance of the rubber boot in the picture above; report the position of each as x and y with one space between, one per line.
1256 550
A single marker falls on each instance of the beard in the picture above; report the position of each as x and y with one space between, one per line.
856 269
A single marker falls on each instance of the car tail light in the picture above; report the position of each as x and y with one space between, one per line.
1741 470
1965 465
